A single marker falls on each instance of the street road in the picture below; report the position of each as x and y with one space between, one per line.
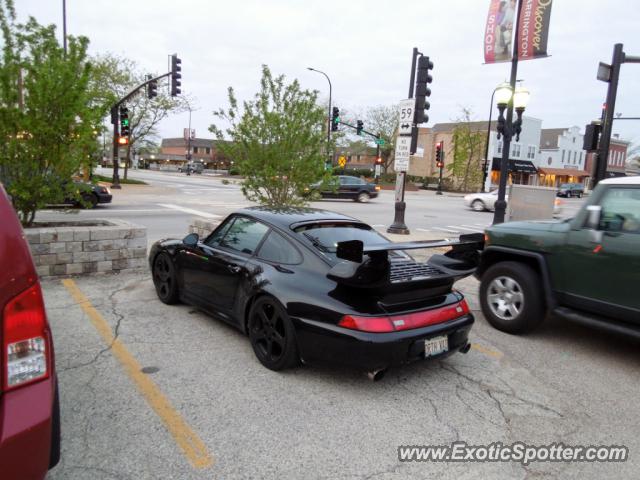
167 205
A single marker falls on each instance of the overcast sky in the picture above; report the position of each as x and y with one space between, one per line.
365 47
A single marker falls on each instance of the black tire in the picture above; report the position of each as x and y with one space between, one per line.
511 297
478 205
579 194
54 455
164 279
363 197
89 200
272 334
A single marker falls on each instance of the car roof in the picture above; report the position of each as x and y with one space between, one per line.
631 180
287 216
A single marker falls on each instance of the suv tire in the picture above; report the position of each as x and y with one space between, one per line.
511 297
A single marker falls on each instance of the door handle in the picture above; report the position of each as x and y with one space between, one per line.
233 268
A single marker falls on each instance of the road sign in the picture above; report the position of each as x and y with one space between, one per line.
403 146
379 141
342 161
378 170
405 115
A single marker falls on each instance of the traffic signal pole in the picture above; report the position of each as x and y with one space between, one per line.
398 226
115 120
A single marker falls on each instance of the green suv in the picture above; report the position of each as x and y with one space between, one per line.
585 268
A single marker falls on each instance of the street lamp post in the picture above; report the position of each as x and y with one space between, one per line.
508 98
328 115
486 148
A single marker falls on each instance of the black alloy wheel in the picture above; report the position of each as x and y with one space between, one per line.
272 335
164 279
89 200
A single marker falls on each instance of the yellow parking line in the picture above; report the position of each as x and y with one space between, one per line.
192 446
487 351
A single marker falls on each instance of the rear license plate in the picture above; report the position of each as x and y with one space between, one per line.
435 346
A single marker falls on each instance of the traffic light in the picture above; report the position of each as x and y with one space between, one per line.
440 154
378 160
124 122
176 68
591 136
422 90
152 87
335 119
359 127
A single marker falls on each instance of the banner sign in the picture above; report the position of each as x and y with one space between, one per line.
498 32
534 29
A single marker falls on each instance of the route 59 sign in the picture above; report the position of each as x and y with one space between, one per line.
405 115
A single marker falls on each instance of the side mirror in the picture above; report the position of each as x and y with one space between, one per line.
594 213
191 240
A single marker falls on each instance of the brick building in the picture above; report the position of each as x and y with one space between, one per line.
174 151
616 160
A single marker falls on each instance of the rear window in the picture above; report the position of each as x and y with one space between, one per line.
325 236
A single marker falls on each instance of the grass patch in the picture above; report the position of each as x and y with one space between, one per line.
131 181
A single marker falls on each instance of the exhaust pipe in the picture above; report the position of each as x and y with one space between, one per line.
466 348
376 375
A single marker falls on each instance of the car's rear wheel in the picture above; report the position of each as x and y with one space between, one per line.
272 334
363 197
478 206
164 279
511 297
579 194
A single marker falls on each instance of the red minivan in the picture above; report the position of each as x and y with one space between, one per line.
29 405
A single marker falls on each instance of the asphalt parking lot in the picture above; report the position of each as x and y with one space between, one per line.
152 391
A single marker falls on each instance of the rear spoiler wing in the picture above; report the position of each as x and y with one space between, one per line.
369 266
354 250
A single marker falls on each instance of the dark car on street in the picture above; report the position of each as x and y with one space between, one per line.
570 190
88 195
346 186
311 285
29 406
584 269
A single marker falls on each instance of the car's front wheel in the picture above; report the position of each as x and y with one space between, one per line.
272 334
511 297
363 197
478 205
164 279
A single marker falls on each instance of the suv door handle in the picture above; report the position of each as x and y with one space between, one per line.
233 268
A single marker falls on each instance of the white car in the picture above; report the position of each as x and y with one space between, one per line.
481 202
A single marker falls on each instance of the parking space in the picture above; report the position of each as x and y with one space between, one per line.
152 391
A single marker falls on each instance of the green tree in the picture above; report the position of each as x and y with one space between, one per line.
468 151
277 140
47 121
383 120
112 78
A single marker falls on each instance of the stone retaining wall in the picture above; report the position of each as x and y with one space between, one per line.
112 245
202 227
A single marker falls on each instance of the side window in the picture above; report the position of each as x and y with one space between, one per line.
278 250
214 238
621 210
244 235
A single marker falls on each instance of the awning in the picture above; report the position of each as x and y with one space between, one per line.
524 166
564 172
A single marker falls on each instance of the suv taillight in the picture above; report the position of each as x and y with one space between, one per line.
407 321
25 339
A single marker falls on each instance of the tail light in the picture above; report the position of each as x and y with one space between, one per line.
25 339
407 321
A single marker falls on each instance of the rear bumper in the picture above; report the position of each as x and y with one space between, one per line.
330 343
104 198
26 416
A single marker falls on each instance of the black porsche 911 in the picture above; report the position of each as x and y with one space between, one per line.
311 285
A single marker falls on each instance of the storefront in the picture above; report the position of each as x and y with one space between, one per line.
554 177
521 172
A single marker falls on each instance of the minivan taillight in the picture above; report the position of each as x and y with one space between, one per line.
407 321
25 337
